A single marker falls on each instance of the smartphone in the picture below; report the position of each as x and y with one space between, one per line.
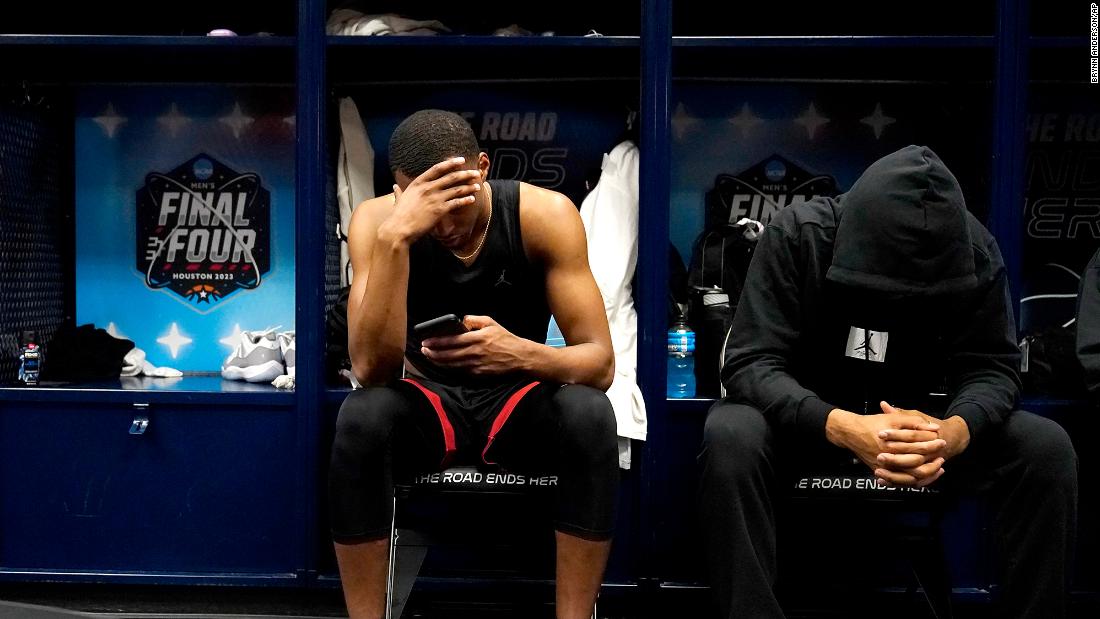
448 324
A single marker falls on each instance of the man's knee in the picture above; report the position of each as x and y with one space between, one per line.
735 437
735 427
1044 447
366 420
586 413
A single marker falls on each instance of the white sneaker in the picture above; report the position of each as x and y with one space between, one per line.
286 346
257 358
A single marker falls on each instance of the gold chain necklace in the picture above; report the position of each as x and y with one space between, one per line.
484 233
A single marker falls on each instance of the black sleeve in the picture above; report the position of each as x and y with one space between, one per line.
763 337
1088 325
983 357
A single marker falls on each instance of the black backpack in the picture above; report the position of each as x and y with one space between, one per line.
336 340
720 260
1049 365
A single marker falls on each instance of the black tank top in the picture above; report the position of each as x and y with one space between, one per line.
500 283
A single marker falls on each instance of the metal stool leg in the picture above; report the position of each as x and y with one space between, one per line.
410 557
930 571
392 560
929 568
403 568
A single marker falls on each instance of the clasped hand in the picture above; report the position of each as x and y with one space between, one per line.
903 447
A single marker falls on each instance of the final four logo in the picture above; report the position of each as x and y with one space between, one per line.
203 230
762 190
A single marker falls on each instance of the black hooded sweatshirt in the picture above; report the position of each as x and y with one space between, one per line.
892 291
1088 325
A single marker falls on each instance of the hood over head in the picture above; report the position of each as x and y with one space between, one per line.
903 229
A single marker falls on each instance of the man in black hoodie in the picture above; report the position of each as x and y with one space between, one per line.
1088 326
854 311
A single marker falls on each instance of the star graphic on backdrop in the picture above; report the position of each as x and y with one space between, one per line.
232 339
237 121
682 122
173 120
174 340
745 120
878 121
811 120
109 120
113 331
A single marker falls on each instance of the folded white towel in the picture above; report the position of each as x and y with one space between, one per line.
132 362
149 369
135 364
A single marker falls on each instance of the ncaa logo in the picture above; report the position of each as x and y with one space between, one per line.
762 190
775 170
203 169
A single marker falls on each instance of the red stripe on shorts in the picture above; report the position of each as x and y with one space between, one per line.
503 415
444 423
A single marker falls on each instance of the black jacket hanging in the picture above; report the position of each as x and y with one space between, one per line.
84 353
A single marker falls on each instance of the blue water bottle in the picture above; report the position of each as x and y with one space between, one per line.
681 360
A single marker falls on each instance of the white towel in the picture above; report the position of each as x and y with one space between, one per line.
135 364
354 176
610 217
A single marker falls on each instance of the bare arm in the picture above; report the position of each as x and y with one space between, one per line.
554 235
376 328
382 231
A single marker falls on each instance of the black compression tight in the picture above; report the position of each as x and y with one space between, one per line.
567 431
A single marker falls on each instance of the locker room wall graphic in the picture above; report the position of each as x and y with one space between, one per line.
826 129
127 137
1061 203
553 136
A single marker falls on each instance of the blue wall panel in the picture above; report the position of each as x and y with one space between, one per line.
125 133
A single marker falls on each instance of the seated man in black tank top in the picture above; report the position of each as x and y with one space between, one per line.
505 255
